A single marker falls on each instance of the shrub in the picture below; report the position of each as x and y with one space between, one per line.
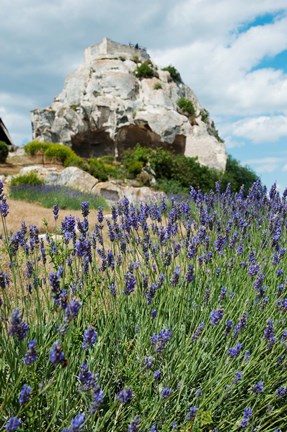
34 147
174 74
144 71
204 114
4 151
237 175
134 168
171 186
186 106
76 161
98 170
59 152
31 178
157 86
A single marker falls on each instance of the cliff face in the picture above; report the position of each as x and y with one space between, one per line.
106 108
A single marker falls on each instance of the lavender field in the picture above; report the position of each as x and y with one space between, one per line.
160 317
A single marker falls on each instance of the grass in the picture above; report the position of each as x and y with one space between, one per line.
176 316
48 196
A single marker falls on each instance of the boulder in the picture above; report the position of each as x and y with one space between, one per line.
106 108
113 192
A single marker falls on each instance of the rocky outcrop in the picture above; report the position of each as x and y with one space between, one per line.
106 108
76 178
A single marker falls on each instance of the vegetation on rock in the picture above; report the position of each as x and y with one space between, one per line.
174 74
144 71
186 106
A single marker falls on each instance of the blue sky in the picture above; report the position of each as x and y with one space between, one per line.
232 53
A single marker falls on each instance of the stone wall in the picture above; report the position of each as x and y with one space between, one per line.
110 49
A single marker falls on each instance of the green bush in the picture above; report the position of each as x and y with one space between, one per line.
174 74
186 106
31 178
171 186
204 114
157 86
107 159
98 170
34 147
134 168
144 71
59 152
76 161
237 175
4 151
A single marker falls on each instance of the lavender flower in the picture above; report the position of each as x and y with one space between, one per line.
77 423
216 316
160 340
134 425
98 398
154 314
86 379
31 355
247 413
17 327
281 391
166 392
148 362
234 352
85 208
157 375
130 283
89 338
192 413
56 211
25 394
56 354
258 387
125 395
13 424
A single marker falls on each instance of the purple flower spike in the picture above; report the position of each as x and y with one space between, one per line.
17 327
13 424
56 354
90 336
125 395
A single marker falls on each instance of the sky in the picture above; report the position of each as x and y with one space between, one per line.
232 53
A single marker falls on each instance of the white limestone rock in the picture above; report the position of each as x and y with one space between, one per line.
104 109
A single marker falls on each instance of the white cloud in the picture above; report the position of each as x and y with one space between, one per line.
265 165
261 129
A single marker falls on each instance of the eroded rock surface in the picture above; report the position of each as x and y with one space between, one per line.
105 108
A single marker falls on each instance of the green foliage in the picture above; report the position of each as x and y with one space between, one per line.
176 173
76 161
134 168
171 186
157 86
204 114
144 71
186 106
31 178
107 159
59 152
174 74
34 147
48 196
237 175
98 170
4 151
